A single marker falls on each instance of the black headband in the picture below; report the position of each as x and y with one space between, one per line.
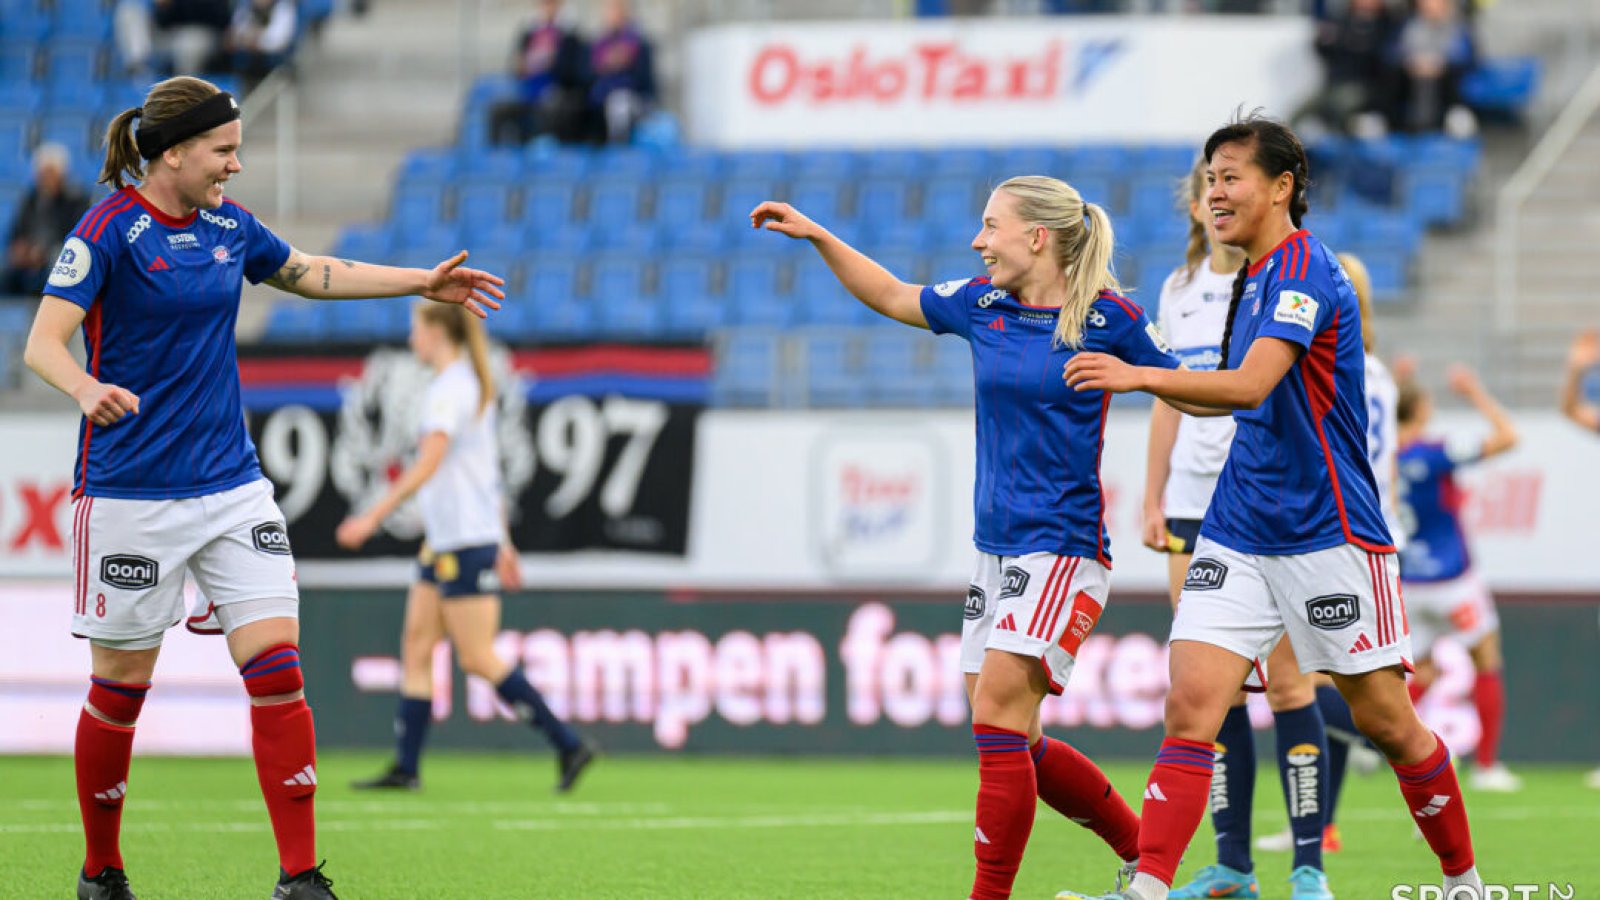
155 138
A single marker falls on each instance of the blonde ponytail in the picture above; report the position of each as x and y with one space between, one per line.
1191 190
1083 245
464 330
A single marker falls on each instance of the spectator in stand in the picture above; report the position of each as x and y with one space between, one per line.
624 76
50 210
189 32
552 78
259 38
1435 51
1354 46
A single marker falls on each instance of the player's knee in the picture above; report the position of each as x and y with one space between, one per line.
273 672
116 702
1389 731
1295 694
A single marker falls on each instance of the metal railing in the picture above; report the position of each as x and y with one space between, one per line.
279 92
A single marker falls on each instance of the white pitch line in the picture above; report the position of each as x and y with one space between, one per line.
820 820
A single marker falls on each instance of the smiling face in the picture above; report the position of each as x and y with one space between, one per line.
1248 207
203 164
1010 247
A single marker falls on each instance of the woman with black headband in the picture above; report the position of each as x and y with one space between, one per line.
167 479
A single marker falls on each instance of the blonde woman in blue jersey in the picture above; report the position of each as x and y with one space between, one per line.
466 556
1294 542
1043 565
1186 456
167 479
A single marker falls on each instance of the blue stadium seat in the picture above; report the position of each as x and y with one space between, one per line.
424 241
366 242
1031 161
615 202
417 204
1170 161
771 165
87 19
72 130
82 98
616 279
639 238
547 202
1433 194
74 59
1098 158
293 322
692 164
20 98
896 235
952 198
694 317
1154 195
562 318
555 162
759 310
832 378
883 199
549 276
680 200
818 298
570 239
904 261
1100 187
747 368
691 237
626 163
1388 267
681 278
970 163
18 60
16 137
891 371
835 165
482 206
904 164
739 196
515 320
639 317
497 166
1502 88
24 24
754 276
822 199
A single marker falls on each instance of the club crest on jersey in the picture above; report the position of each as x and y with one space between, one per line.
73 265
1295 308
949 288
221 255
976 601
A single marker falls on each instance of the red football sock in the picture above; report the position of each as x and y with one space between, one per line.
1007 799
1434 796
285 745
1075 787
1416 688
101 756
1489 695
1174 802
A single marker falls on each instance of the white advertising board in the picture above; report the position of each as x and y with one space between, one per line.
951 82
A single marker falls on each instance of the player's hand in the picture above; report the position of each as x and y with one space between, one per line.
451 282
105 404
1100 372
784 219
355 531
1585 350
1155 529
508 568
1462 380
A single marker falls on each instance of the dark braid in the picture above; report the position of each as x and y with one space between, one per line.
1233 308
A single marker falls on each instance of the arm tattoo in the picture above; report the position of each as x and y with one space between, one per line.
327 270
289 276
348 264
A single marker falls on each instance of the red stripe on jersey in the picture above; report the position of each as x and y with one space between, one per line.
1049 585
160 216
77 556
1129 308
1255 267
110 213
233 202
1381 589
1303 260
1063 591
1317 374
95 212
1099 451
92 328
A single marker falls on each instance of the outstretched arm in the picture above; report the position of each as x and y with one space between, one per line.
354 531
1247 387
1584 355
1504 434
330 278
869 282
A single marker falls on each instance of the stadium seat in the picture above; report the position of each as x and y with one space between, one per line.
754 276
496 166
74 58
294 321
836 165
832 378
616 279
1031 161
759 310
86 19
680 200
891 371
367 242
818 298
614 202
633 164
692 318
822 199
555 162
640 238
549 276
970 163
1387 266
680 278
482 206
638 318
883 199
747 368
18 60
771 165
903 164
953 197
25 24
1433 194
1154 195
739 196
691 237
562 318
1502 88
417 204
547 202
693 164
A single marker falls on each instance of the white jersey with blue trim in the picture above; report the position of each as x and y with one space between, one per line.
461 505
1193 314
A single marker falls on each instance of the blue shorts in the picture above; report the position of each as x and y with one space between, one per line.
467 572
1182 534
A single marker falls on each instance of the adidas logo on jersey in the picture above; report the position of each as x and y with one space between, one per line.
1362 644
1153 792
160 265
1435 806
113 794
306 776
999 324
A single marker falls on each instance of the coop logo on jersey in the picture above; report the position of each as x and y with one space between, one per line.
138 227
221 255
1296 308
988 299
1096 318
73 265
270 537
124 570
1013 581
1205 575
949 288
1333 611
219 221
976 601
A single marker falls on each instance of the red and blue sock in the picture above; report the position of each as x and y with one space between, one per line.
1007 798
1303 773
1174 802
1072 785
102 754
284 739
1434 795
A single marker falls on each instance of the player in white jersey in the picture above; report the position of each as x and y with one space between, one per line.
1186 454
1582 359
467 556
168 483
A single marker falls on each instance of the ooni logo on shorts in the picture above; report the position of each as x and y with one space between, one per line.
1013 581
1205 575
1334 611
269 537
124 570
975 602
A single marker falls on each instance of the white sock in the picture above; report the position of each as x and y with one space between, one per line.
1148 887
1470 878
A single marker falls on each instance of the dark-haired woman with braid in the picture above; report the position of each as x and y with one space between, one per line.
1294 542
167 479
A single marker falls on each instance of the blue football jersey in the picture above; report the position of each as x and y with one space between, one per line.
161 297
1297 478
1038 441
1430 502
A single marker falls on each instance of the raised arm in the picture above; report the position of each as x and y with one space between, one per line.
1247 387
354 531
1584 355
330 278
47 355
869 282
1503 435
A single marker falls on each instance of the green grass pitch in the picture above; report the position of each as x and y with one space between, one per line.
487 826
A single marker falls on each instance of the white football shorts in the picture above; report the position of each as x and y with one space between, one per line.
1039 605
130 557
1340 607
1462 608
